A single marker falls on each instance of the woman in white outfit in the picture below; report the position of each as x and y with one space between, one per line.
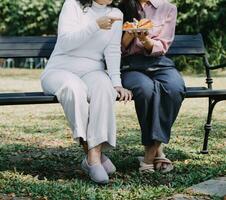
89 37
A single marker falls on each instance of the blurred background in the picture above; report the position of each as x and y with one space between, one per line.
30 17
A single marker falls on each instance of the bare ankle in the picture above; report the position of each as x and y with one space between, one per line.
94 155
149 154
159 151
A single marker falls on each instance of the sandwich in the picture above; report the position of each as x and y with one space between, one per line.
142 24
145 23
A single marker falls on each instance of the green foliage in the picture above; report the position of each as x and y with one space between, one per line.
28 17
206 17
39 17
201 16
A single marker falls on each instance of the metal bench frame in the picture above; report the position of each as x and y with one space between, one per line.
42 47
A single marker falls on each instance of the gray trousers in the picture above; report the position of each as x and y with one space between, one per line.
158 96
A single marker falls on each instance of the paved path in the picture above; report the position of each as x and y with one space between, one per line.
213 187
204 191
11 197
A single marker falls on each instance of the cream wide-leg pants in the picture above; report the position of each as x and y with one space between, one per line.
88 103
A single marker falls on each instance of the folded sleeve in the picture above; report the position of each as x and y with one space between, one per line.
112 54
71 32
164 39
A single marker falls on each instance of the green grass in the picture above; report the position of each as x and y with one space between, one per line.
38 158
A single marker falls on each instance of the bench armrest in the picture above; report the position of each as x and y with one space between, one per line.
211 67
217 66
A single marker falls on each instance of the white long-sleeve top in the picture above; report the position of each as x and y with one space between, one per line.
82 46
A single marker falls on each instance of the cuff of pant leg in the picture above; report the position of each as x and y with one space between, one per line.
159 139
107 144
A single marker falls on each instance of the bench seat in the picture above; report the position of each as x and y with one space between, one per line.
26 98
41 98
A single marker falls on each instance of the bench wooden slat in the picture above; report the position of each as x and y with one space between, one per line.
27 46
189 37
34 39
185 51
41 98
14 47
50 45
41 53
187 45
35 53
196 92
27 39
26 98
22 94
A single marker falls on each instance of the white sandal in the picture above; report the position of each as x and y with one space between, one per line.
162 159
144 167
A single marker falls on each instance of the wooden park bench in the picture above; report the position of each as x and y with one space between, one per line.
42 47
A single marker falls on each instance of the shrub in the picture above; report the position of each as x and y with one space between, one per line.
29 17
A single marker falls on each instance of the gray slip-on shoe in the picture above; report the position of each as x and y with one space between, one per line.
96 172
107 164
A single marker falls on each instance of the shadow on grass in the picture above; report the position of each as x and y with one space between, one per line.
50 163
64 163
58 162
31 129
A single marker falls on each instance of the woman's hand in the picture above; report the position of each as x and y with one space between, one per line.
127 39
123 94
106 22
144 39
140 34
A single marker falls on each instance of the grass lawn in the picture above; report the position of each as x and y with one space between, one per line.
38 158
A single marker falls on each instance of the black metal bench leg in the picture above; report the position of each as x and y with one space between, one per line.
208 125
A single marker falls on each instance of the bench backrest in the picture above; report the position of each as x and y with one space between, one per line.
40 46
